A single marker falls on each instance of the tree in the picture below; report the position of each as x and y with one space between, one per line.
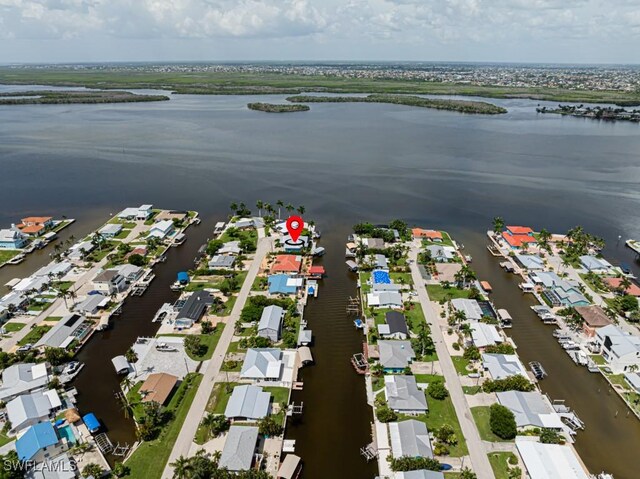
92 470
472 353
234 207
511 383
215 424
120 470
437 390
267 426
543 239
259 205
447 435
549 436
57 356
498 224
386 414
407 463
301 210
12 467
502 422
131 355
467 473
280 204
136 260
207 327
181 468
192 345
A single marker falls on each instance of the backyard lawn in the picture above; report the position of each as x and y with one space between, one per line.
481 417
34 335
439 293
499 463
13 327
460 363
6 255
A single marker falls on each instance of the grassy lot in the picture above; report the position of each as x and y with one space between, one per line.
259 284
499 463
415 317
217 403
208 340
150 458
6 255
39 306
134 398
594 283
481 417
53 318
446 240
251 235
401 278
4 439
471 390
278 395
13 327
364 277
63 285
438 293
34 335
377 383
460 363
598 359
618 379
228 306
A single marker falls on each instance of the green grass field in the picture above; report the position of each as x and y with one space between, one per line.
438 293
13 327
34 335
7 254
499 463
481 417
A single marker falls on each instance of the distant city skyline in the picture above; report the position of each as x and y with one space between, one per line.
507 31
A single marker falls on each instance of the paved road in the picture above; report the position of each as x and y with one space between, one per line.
477 452
190 426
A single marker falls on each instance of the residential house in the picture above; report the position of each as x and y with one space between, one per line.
284 284
54 270
39 443
395 326
501 366
484 335
71 328
110 230
80 250
593 317
379 261
403 395
23 378
158 387
549 461
245 223
595 265
621 350
558 291
385 299
410 438
286 263
239 448
109 282
616 283
531 410
380 287
440 253
431 235
248 402
92 304
130 272
141 213
470 307
531 262
395 356
419 474
222 261
161 229
516 236
14 299
230 248
270 324
291 246
262 364
36 225
633 380
29 409
12 238
31 283
59 467
193 309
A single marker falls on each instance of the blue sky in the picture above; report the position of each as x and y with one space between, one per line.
563 31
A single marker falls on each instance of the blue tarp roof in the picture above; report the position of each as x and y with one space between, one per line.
278 284
91 421
37 437
183 276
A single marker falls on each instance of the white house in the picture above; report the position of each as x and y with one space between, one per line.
109 282
270 325
141 213
484 335
30 409
110 231
621 350
385 299
161 229
594 264
501 366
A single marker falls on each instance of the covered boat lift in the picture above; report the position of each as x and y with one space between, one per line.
290 467
304 353
121 364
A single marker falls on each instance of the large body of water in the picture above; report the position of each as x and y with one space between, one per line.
345 163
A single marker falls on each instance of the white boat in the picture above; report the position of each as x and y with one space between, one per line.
17 259
166 348
179 239
570 345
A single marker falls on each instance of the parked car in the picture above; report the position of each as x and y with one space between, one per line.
25 348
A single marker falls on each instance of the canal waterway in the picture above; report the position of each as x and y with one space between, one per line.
346 163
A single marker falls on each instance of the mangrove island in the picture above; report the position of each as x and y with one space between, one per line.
74 96
276 108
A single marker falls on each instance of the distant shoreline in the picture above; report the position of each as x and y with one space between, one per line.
54 97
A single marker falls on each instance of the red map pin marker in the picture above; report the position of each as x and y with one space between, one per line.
295 225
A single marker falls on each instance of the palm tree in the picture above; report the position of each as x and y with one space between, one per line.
215 457
301 209
259 205
181 468
289 208
498 224
72 294
280 204
625 284
63 294
233 207
543 238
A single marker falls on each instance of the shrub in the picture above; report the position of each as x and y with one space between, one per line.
269 427
456 346
549 436
136 259
437 390
502 422
472 353
502 348
406 463
512 383
441 449
446 435
386 414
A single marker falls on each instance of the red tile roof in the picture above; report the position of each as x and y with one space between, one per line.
287 263
614 283
31 229
519 230
517 240
431 234
316 270
36 220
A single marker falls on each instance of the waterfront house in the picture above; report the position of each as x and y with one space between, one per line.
633 380
291 246
501 366
79 250
247 223
59 467
92 304
36 225
29 409
222 261
531 410
615 284
621 350
31 283
558 291
395 326
484 335
531 262
516 236
431 235
403 396
193 309
593 317
283 284
110 230
410 438
23 378
595 265
377 261
270 324
109 282
239 448
286 263
12 238
419 474
39 443
470 307
440 253
72 327
379 287
395 356
384 299
161 229
549 461
230 248
262 364
248 402
14 299
158 387
54 270
130 272
141 213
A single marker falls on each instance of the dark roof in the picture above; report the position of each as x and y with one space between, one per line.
396 322
195 305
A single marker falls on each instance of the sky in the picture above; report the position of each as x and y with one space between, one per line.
553 31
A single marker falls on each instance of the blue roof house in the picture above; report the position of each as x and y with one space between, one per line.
278 284
39 443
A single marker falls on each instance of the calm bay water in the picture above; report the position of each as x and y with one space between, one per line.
345 163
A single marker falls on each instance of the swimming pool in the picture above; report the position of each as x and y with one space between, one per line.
67 433
380 277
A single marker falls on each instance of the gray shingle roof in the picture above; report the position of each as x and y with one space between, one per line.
239 447
527 407
402 394
395 354
410 438
248 401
